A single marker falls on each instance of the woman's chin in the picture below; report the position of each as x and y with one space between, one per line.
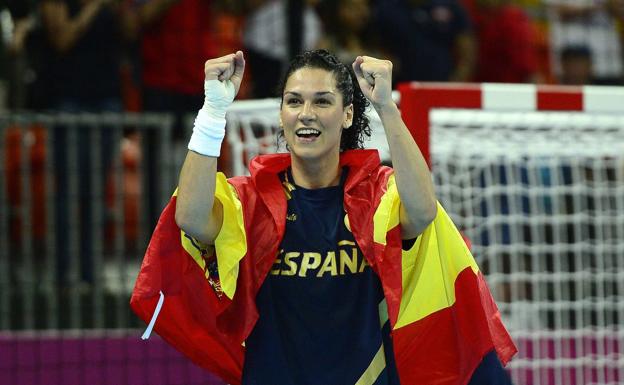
309 153
305 153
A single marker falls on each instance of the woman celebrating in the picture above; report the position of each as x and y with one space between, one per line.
323 267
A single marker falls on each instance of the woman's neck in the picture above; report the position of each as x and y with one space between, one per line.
317 173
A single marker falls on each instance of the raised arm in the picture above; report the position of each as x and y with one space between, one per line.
64 31
197 212
418 201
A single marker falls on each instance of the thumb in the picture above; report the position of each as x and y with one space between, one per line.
357 68
239 70
359 74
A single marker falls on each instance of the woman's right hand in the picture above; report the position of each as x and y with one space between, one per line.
197 211
226 68
223 79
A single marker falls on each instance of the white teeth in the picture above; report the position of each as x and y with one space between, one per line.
308 131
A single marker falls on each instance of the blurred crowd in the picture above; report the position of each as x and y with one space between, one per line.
147 55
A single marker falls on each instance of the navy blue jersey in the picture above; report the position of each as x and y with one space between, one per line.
320 305
490 372
322 310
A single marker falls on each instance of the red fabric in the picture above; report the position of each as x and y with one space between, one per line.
507 46
461 337
175 47
187 320
210 330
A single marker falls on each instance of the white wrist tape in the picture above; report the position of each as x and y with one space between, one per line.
209 128
208 133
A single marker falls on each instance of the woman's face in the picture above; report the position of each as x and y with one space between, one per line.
312 114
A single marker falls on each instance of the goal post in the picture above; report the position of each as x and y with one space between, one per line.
534 175
418 99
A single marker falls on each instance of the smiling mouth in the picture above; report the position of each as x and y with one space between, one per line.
307 133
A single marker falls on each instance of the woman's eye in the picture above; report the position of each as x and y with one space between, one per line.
293 101
323 101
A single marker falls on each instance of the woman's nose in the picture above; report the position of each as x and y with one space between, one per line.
307 112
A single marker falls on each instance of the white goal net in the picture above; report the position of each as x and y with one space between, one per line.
541 197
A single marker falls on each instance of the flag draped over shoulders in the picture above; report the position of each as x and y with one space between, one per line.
442 314
187 319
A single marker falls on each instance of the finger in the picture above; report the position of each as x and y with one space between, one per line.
229 71
218 70
360 74
357 67
368 72
368 58
239 68
222 59
218 62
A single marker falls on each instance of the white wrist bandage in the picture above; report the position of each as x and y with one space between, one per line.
209 128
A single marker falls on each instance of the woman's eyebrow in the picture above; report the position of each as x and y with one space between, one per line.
320 93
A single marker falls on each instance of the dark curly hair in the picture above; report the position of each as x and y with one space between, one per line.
346 82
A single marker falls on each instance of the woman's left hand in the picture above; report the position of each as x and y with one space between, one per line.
375 79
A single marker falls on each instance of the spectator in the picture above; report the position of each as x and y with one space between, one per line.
275 31
432 39
592 24
347 29
26 62
507 50
23 146
86 39
16 28
176 37
576 66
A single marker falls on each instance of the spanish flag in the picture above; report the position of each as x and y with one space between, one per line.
446 321
443 318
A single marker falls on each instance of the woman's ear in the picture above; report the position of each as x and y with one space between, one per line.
348 120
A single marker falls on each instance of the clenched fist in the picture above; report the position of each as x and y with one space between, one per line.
229 67
375 79
223 79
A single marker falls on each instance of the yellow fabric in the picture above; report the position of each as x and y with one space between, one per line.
387 214
231 242
196 249
430 267
377 365
383 312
